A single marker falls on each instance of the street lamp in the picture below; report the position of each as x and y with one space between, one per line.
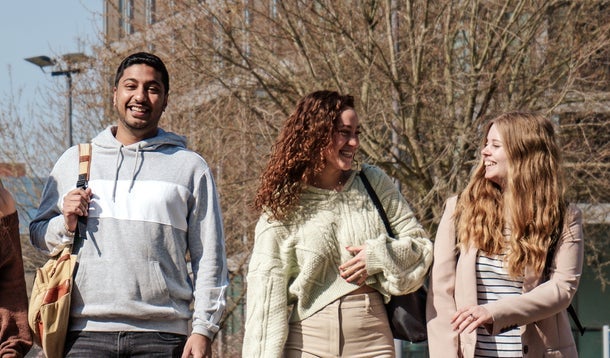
70 59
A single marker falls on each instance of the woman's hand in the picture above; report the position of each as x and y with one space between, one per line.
470 318
355 268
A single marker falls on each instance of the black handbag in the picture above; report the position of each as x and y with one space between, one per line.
406 313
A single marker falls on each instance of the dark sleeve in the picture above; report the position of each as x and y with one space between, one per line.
15 335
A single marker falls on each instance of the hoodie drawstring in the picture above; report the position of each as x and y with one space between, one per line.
135 167
116 172
133 172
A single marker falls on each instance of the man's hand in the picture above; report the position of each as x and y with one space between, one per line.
197 346
76 203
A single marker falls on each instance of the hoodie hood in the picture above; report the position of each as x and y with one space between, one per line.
108 144
107 140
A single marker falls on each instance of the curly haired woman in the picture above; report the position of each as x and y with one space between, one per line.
323 263
489 296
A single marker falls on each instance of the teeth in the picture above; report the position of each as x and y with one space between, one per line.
488 164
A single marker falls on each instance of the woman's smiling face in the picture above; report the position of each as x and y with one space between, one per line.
494 157
345 142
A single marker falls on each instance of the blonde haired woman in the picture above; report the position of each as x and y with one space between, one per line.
489 296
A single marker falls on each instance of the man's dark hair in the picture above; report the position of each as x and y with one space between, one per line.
146 59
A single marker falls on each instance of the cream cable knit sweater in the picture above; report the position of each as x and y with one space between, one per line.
296 264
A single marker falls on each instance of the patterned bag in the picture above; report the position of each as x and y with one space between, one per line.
49 309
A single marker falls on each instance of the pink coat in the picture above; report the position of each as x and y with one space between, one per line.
540 311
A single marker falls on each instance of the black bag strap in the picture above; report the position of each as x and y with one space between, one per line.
550 255
377 202
84 165
574 316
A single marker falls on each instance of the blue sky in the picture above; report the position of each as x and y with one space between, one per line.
31 28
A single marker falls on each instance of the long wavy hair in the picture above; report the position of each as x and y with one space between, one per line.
298 154
531 203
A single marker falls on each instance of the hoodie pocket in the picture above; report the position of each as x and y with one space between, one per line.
121 287
159 290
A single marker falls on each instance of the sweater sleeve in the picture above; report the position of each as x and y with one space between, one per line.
208 258
267 309
443 341
47 229
401 264
15 336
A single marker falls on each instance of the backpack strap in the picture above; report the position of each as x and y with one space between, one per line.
84 165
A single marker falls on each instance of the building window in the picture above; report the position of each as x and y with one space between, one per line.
121 24
151 9
247 23
273 9
128 17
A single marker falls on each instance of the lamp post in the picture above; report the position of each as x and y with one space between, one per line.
69 59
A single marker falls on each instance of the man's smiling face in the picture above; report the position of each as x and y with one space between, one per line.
140 99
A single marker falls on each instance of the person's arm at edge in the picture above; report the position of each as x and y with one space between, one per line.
15 334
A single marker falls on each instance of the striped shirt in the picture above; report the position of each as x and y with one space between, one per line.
494 283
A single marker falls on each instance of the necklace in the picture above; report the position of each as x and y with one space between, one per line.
337 186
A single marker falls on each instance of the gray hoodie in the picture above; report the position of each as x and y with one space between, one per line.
153 201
